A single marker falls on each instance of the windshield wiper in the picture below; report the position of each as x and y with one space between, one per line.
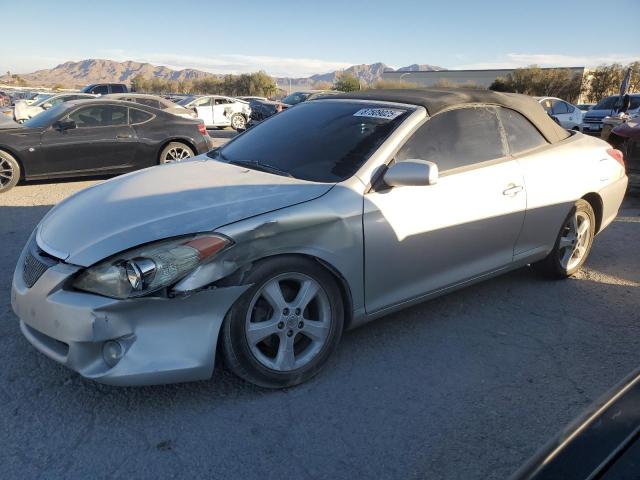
261 167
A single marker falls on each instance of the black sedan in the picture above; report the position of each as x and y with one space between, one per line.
96 137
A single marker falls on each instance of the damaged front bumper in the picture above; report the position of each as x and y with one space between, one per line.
161 340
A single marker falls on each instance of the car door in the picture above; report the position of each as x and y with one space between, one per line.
100 142
204 108
221 104
426 238
564 113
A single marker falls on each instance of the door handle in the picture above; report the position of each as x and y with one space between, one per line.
122 136
513 190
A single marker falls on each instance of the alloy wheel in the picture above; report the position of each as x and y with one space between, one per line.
288 322
176 154
237 121
574 242
6 172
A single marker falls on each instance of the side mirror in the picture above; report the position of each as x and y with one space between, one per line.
46 105
63 125
411 173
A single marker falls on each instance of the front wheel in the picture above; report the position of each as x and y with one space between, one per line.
573 244
9 171
175 152
284 328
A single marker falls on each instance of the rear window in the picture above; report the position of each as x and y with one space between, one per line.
138 116
521 134
118 89
321 141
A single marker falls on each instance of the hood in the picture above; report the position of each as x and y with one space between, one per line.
162 202
599 113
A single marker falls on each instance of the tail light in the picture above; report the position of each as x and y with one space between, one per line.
617 155
203 130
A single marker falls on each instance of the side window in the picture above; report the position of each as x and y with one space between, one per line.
100 90
201 102
117 89
547 105
521 134
456 138
149 102
222 101
559 107
100 116
138 116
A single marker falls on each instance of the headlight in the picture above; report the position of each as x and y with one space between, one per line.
144 270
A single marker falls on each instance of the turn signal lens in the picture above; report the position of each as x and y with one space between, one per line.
617 155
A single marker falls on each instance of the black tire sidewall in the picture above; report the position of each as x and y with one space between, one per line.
580 206
171 145
15 167
236 351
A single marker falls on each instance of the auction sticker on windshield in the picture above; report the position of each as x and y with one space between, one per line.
386 113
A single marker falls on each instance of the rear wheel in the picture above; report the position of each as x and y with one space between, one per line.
175 152
282 330
238 121
9 171
573 244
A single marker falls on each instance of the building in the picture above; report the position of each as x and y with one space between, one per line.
482 78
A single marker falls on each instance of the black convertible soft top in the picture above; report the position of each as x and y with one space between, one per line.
436 100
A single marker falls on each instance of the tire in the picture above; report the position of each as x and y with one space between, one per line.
573 243
9 171
175 152
238 121
294 343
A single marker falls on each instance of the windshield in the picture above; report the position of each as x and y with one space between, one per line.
320 141
46 118
295 98
613 102
185 101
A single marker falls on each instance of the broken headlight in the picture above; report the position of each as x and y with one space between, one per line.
147 269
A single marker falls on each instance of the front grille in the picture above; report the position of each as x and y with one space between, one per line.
36 262
592 120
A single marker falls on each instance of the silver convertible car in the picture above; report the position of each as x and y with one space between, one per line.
323 217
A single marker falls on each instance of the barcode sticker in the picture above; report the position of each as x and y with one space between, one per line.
385 113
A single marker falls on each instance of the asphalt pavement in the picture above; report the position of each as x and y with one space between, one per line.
467 386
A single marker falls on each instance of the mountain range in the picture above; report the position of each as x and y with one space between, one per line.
78 74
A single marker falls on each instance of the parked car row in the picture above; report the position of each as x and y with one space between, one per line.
593 120
96 136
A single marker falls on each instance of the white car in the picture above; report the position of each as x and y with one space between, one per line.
569 116
155 102
219 111
23 111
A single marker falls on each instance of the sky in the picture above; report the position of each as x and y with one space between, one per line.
289 38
